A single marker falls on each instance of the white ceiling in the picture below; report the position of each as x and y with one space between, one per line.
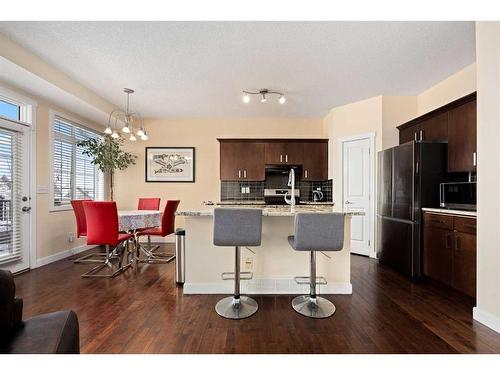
198 69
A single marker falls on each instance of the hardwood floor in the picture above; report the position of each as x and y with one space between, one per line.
147 313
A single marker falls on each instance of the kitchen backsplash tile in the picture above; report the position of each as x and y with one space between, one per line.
254 190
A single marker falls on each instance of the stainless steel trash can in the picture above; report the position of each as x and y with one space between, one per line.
180 249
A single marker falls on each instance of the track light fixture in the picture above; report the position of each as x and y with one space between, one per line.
263 95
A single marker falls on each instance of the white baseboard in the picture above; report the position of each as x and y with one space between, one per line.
265 286
486 318
62 254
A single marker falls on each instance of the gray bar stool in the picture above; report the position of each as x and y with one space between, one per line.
237 227
316 232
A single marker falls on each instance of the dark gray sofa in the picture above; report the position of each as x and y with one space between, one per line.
52 333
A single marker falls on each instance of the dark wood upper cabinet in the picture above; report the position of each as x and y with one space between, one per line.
455 123
409 134
246 159
462 138
242 161
315 161
435 128
288 153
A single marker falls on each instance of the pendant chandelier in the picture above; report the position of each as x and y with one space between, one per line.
129 120
263 93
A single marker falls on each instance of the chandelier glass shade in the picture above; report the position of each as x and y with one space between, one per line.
263 93
129 122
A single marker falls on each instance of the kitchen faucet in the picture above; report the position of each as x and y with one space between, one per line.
291 183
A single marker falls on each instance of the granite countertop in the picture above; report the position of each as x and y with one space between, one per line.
262 203
446 211
270 210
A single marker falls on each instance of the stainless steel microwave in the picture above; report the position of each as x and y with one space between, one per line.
458 195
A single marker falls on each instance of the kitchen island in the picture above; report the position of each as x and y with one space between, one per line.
274 264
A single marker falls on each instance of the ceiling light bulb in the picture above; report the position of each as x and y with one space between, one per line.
140 133
132 137
115 135
144 137
282 99
263 100
108 130
126 129
246 98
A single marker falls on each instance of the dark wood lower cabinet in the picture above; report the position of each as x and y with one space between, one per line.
464 263
450 251
438 254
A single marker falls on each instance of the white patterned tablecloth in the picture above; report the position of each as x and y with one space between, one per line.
137 219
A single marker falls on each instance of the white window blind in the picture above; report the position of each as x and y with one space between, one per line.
10 197
75 177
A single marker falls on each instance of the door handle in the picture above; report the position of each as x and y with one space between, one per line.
457 243
474 159
239 173
306 173
244 173
286 158
415 136
421 135
347 202
26 209
281 158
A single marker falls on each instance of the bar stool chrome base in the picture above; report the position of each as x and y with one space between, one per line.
232 308
318 307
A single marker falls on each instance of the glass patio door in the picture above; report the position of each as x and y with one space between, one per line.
15 200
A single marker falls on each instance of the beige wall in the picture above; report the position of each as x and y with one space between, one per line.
488 151
396 110
454 87
201 134
52 228
352 119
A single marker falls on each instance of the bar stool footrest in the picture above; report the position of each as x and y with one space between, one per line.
230 275
303 280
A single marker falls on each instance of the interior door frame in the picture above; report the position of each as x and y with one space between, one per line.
340 180
28 111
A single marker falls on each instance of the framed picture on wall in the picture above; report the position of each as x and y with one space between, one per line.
169 164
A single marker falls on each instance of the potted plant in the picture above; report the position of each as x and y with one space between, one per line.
107 156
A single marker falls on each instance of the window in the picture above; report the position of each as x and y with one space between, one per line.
10 110
74 176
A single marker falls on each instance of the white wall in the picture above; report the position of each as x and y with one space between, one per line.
488 151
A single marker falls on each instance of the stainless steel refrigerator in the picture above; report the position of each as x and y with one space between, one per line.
408 179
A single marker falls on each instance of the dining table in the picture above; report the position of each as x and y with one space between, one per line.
132 220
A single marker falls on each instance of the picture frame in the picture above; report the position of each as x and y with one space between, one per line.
170 164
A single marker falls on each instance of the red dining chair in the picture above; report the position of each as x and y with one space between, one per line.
102 229
81 231
167 227
148 204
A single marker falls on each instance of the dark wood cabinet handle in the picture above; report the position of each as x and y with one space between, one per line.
457 246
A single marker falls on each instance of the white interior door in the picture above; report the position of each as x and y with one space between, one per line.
356 181
14 196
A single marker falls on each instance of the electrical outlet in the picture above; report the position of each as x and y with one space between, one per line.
248 264
71 238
